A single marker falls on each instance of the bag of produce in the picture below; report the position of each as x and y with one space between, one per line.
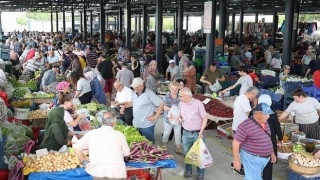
199 155
216 86
174 115
76 102
84 124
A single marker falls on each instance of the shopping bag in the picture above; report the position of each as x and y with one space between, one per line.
193 155
216 86
174 115
199 155
205 156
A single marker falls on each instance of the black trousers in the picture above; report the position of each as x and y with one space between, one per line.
86 98
267 171
127 117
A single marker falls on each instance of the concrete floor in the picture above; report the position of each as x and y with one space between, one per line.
220 149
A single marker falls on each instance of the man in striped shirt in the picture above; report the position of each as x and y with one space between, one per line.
91 57
253 141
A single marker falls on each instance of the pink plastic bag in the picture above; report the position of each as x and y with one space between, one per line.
84 124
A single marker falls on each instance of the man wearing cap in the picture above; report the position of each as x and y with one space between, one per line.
173 70
125 76
254 137
210 76
107 149
144 103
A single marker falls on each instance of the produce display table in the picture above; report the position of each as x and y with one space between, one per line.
80 173
229 102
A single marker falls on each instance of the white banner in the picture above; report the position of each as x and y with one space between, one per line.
207 17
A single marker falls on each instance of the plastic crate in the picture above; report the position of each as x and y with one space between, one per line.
274 97
291 86
21 113
225 69
295 176
3 165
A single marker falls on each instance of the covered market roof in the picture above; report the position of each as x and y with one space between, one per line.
170 6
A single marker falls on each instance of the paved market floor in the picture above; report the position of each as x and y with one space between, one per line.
221 152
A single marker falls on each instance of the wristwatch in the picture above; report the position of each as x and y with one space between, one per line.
85 162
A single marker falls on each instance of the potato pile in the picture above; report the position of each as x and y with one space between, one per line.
54 162
305 159
37 114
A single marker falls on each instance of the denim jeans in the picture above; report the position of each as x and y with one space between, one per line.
148 133
253 165
188 138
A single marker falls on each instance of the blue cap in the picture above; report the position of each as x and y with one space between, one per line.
263 107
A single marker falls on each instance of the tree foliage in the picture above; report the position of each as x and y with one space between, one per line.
21 20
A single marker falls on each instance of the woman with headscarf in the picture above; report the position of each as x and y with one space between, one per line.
151 76
189 74
97 91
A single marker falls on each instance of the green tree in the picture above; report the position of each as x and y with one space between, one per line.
23 21
39 16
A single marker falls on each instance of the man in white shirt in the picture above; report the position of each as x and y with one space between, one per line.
173 70
242 106
123 96
183 59
107 149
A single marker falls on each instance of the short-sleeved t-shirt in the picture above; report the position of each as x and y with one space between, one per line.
144 106
68 118
241 107
245 82
212 76
125 76
254 139
306 113
53 59
105 68
83 85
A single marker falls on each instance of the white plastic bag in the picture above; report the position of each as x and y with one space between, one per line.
205 156
216 86
174 115
279 91
76 102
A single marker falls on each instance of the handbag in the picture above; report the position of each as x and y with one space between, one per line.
260 127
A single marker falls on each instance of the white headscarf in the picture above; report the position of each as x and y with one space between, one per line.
265 98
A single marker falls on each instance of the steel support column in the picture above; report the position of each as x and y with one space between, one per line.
222 18
120 21
91 24
287 37
274 28
136 24
144 31
107 21
72 22
295 26
240 41
176 17
180 25
64 21
1 25
85 33
57 21
128 30
81 22
159 34
233 24
115 23
210 38
139 23
51 21
257 18
187 22
102 23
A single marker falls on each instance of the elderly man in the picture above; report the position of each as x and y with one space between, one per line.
194 121
253 136
124 96
125 76
107 149
210 76
144 103
52 58
173 70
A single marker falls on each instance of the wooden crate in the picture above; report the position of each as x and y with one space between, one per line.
39 123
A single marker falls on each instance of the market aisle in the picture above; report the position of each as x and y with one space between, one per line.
221 152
